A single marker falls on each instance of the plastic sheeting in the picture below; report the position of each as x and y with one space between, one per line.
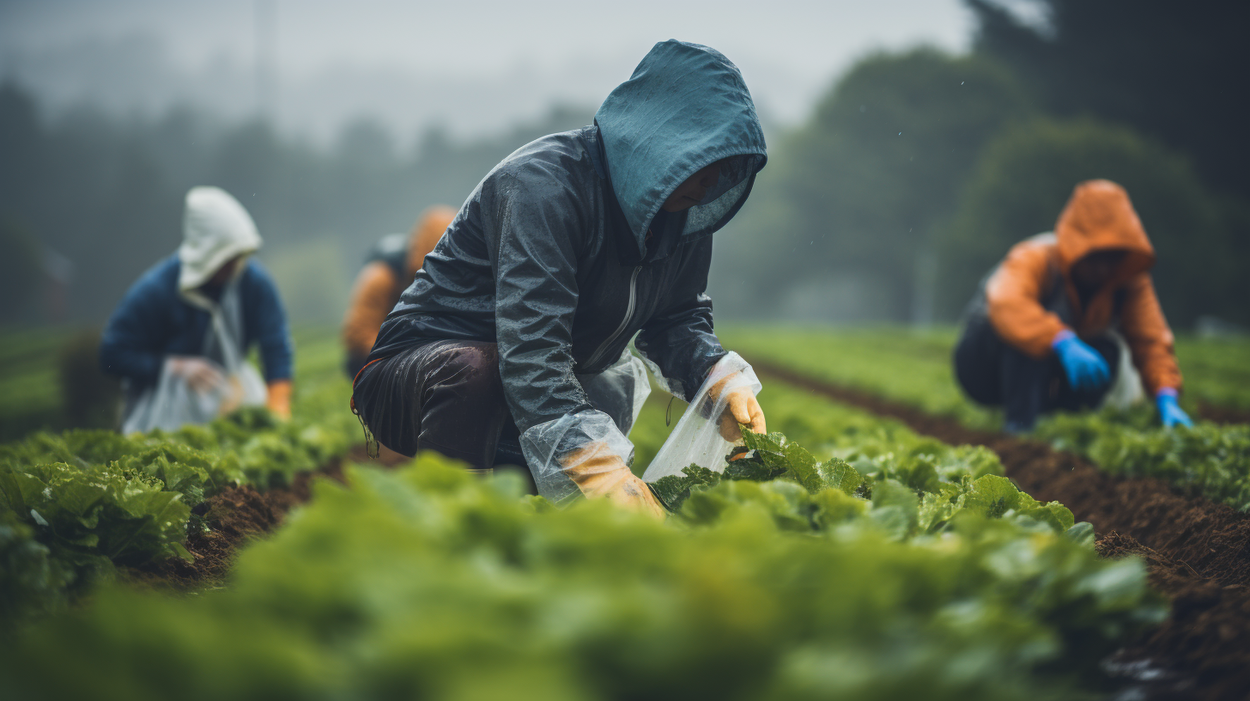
697 438
555 448
173 403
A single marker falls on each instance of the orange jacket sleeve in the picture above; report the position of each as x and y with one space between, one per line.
1013 295
370 303
1148 335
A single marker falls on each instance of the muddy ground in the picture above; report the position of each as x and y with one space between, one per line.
239 514
1197 552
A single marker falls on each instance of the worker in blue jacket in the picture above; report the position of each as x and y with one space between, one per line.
511 344
180 337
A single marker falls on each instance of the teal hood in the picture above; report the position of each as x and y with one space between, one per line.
684 108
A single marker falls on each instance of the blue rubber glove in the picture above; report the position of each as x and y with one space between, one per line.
1085 367
1169 411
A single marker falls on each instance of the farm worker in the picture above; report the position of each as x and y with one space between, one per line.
390 268
180 336
511 343
1042 334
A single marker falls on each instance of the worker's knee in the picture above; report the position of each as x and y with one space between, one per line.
470 371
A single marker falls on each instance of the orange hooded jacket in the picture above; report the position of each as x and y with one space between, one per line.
377 288
1099 216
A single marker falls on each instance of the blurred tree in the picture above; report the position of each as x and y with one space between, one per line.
861 188
21 274
1026 175
1175 71
108 194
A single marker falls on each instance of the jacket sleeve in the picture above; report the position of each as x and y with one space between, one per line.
679 340
267 321
133 342
1013 295
369 305
1148 335
532 228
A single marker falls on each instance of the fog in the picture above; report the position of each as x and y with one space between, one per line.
469 68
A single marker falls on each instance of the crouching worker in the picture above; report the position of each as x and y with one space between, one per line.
511 344
389 270
1043 333
180 337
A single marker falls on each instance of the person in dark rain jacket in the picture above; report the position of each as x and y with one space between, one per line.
180 336
511 344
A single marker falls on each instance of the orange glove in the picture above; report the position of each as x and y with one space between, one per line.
599 473
741 407
279 399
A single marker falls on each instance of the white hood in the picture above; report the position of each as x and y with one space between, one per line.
215 228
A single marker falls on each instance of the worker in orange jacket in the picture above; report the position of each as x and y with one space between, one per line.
388 271
1037 336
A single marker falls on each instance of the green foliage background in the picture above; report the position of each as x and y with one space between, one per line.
919 170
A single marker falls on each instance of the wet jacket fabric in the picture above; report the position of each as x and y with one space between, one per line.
1031 297
388 270
559 257
154 321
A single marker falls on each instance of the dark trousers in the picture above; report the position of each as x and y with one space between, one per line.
995 373
445 396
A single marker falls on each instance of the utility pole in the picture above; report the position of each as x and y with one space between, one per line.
265 21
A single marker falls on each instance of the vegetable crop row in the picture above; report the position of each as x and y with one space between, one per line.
75 505
914 367
428 582
883 565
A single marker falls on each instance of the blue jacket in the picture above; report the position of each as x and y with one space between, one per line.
153 321
550 256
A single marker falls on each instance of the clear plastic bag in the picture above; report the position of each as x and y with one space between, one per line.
1127 389
697 438
619 391
555 447
173 403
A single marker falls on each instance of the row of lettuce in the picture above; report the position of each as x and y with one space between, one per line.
879 564
914 367
77 505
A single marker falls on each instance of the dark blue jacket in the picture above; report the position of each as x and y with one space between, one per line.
153 321
550 258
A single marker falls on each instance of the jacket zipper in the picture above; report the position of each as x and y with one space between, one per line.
629 313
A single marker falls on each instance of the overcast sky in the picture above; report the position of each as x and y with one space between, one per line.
468 66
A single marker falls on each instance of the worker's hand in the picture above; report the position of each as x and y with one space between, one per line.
1085 367
279 399
202 374
599 473
1170 413
741 407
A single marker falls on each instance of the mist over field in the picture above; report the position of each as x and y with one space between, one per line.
911 143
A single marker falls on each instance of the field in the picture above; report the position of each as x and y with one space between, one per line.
885 542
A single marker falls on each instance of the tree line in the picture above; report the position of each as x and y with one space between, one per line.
917 171
912 177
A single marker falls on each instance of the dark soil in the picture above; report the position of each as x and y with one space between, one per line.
239 514
233 517
1197 552
1223 414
